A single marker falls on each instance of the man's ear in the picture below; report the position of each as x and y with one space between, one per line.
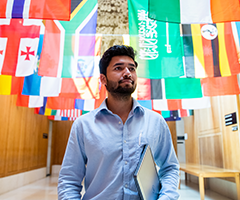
103 79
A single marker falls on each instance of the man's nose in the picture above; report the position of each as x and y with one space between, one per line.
126 72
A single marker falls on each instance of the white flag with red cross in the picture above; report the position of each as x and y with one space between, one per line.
18 46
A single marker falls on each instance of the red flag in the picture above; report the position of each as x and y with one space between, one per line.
35 9
18 46
29 101
220 86
60 103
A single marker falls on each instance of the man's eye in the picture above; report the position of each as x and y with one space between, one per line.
132 69
117 68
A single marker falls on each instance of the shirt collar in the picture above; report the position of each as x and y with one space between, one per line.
136 108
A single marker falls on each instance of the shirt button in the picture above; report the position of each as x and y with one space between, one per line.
126 162
119 122
126 186
125 141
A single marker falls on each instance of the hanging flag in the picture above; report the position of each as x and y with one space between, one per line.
148 89
58 118
10 85
165 114
71 49
18 46
209 50
185 113
82 88
86 105
167 104
185 104
196 103
168 88
183 88
158 44
35 9
146 103
236 34
174 115
154 90
29 101
43 110
60 103
220 86
42 86
71 113
38 85
194 11
57 103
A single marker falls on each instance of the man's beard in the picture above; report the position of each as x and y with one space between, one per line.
119 91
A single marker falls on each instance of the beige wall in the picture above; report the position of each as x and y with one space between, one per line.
112 22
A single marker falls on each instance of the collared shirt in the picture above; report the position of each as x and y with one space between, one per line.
106 152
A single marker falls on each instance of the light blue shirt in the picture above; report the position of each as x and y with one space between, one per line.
105 152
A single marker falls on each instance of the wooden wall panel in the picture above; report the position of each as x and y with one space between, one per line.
15 122
218 145
211 151
172 127
24 151
231 141
61 131
34 148
3 132
27 138
208 130
42 143
22 145
191 144
209 119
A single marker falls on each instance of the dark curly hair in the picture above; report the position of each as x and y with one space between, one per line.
117 50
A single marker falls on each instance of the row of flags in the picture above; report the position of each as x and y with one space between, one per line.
71 115
194 11
35 9
165 49
52 65
89 88
182 50
178 11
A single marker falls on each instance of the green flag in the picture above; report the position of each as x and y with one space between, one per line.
159 44
165 10
183 88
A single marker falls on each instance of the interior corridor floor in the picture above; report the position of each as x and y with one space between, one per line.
46 189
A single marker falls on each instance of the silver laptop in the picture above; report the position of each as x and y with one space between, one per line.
146 177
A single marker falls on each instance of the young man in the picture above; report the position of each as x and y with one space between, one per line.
104 146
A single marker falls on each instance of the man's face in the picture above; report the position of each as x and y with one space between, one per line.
121 77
